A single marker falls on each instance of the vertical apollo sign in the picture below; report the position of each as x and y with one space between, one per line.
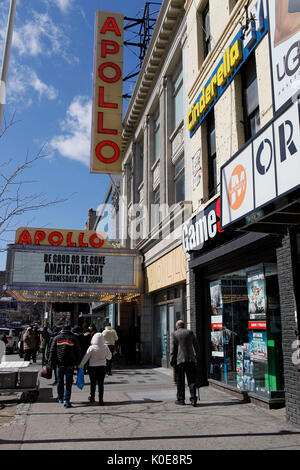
108 89
284 18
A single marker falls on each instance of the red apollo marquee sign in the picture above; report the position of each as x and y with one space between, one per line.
57 237
108 89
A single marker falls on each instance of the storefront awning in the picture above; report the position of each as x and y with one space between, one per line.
275 219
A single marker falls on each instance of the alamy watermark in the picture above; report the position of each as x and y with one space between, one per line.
157 221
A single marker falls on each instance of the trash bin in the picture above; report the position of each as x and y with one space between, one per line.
8 379
28 378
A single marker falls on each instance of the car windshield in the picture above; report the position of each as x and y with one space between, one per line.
16 331
2 330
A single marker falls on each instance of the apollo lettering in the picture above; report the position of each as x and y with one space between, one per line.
57 238
104 72
107 103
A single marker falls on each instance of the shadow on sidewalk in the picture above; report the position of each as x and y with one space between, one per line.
149 438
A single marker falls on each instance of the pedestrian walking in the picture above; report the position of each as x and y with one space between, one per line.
184 352
29 345
64 355
52 335
110 338
21 345
77 330
44 340
97 355
3 338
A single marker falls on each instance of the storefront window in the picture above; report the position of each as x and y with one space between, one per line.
246 330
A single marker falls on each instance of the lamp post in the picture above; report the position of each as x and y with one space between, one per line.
6 55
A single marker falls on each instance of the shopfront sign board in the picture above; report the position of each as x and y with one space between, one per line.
203 227
107 93
58 237
266 169
284 41
233 58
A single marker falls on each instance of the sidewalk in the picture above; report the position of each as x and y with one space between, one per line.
140 414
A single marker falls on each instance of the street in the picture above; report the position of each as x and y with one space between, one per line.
140 414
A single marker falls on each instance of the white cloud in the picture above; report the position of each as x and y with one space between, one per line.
74 142
22 81
40 35
63 5
43 90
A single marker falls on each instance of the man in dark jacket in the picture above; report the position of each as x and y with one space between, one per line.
64 355
184 352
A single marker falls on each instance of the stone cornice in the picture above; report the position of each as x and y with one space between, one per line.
170 14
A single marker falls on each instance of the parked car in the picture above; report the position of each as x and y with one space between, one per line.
12 335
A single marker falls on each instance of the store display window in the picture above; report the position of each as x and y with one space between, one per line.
246 330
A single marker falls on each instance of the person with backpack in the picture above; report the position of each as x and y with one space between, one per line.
64 355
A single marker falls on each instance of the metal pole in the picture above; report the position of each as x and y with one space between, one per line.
6 56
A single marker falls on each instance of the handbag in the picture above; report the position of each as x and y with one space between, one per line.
46 372
80 379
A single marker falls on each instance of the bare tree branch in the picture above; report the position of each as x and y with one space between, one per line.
14 201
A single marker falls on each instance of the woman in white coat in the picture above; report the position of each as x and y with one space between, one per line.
97 355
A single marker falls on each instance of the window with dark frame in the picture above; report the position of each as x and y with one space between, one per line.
156 136
211 155
250 98
155 209
177 83
179 182
140 148
206 30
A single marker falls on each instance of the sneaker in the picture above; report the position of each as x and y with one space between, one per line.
91 400
101 403
60 401
179 402
67 404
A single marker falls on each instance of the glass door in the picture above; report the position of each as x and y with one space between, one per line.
171 328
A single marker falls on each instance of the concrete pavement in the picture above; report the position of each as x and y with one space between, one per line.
140 414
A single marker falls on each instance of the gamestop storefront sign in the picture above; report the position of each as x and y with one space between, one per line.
269 167
202 228
108 90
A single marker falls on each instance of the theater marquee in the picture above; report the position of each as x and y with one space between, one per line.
107 95
71 274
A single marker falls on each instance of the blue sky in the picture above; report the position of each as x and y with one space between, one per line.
49 87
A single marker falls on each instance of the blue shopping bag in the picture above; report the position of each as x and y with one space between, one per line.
80 379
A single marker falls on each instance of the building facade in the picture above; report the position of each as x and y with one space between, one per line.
243 264
156 194
208 108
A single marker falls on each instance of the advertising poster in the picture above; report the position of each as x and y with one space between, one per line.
284 18
258 346
257 299
216 302
245 368
217 349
